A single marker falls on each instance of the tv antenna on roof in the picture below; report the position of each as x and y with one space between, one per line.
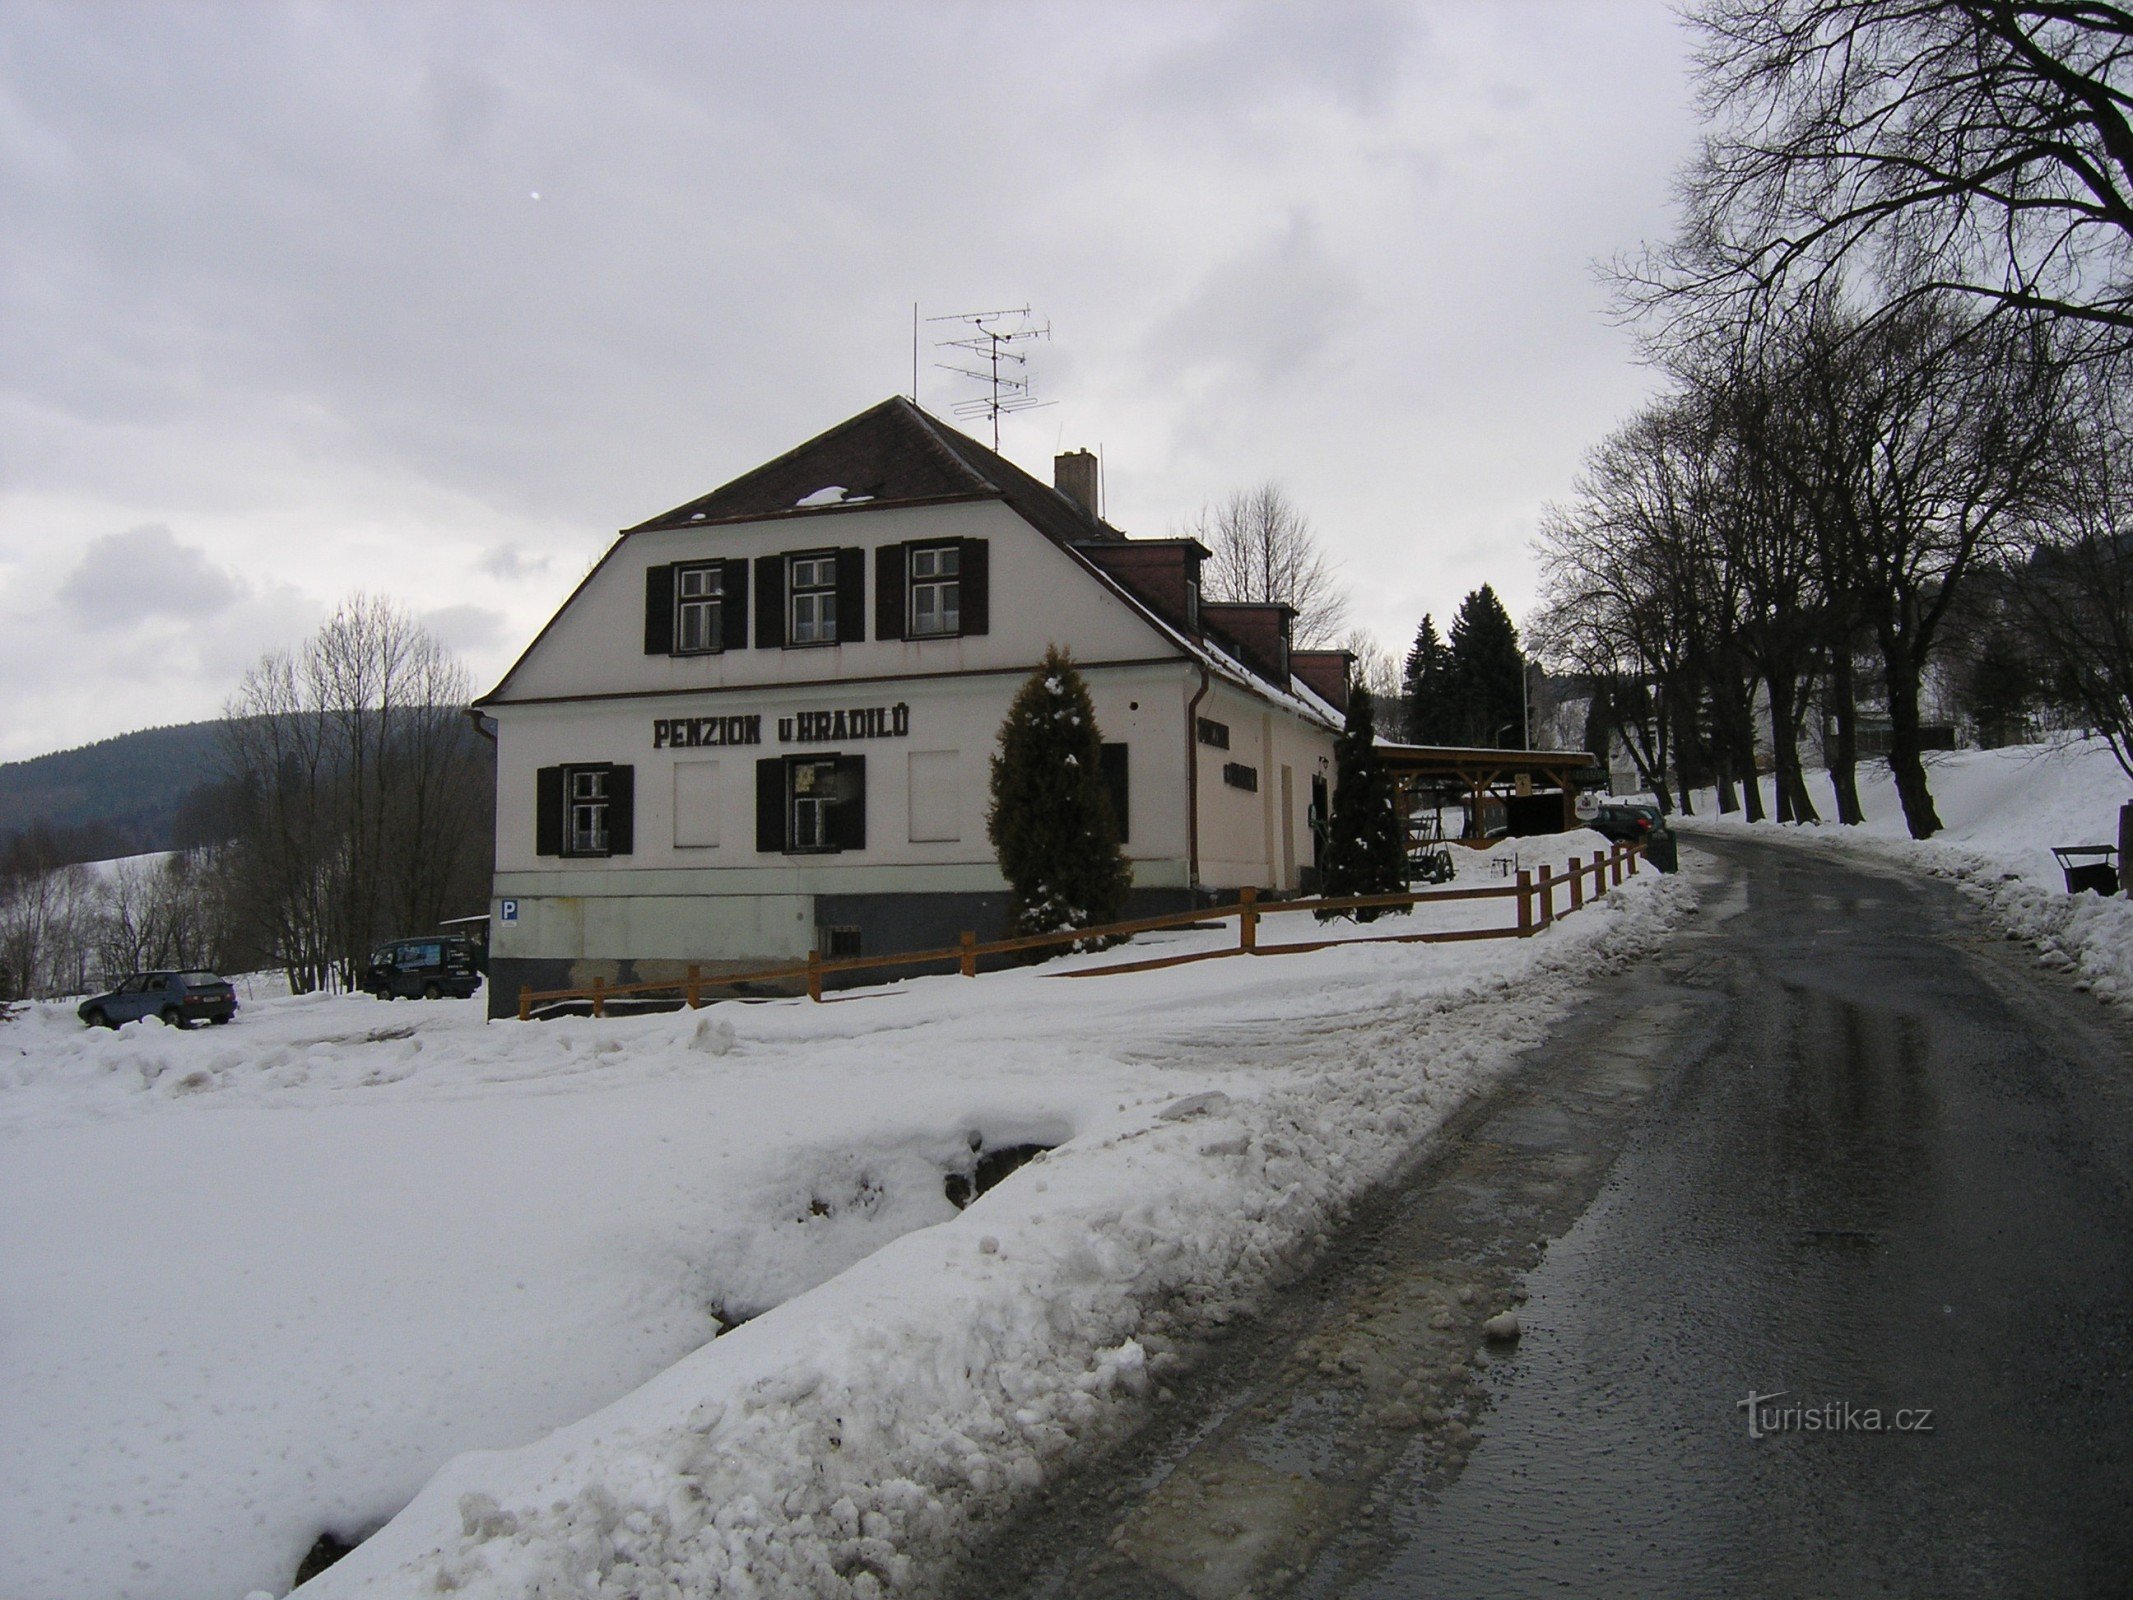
990 340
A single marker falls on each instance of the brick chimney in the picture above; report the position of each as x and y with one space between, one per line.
1074 475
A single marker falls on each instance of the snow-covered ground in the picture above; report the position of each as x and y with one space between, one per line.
2003 810
269 1279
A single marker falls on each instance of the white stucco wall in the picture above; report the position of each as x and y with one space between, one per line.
1040 595
587 692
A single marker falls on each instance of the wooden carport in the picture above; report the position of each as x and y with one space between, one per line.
1431 774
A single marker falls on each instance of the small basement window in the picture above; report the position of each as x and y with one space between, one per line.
837 941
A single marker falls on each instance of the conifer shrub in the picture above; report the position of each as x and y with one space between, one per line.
1050 820
1366 848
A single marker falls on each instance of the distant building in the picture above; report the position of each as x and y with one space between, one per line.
764 722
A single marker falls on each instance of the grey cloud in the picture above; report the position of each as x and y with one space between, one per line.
146 571
1348 52
508 562
274 277
465 627
1266 313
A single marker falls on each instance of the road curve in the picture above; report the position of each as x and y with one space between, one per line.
1840 1147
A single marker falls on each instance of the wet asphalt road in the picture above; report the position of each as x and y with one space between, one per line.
1839 1146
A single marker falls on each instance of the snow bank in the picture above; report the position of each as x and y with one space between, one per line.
266 1280
2003 810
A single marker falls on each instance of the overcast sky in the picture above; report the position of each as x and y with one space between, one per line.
430 299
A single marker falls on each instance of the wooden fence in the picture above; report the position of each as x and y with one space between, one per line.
1536 894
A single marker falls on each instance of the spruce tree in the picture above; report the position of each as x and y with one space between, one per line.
1487 675
1366 847
1423 687
1050 821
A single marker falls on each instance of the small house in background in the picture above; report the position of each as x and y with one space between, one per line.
763 724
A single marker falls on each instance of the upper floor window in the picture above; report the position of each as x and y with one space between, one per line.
812 599
699 608
932 589
935 586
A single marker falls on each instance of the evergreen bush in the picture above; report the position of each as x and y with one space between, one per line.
1366 847
1050 821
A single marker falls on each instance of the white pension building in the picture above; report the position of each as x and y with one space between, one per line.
764 722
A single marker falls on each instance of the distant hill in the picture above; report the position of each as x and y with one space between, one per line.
123 793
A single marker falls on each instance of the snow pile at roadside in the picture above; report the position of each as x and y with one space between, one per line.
2003 810
849 1442
264 1280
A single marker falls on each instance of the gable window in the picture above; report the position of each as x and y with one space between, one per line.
699 608
811 599
934 577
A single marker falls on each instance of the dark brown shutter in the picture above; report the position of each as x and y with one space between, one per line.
621 810
848 822
770 806
769 602
1113 765
548 811
659 610
889 592
851 596
976 596
733 624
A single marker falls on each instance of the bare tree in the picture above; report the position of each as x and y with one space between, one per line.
1979 147
1265 550
1376 668
2074 596
367 799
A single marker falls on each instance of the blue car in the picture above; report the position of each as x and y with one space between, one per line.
179 998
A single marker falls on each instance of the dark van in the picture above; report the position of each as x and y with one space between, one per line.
426 969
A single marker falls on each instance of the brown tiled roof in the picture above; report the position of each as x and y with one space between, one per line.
891 454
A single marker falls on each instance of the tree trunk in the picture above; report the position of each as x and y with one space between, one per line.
1737 741
1788 701
1906 757
1844 757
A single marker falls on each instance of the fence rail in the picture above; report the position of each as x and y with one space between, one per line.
1535 892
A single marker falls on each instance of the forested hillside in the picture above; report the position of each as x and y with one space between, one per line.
137 791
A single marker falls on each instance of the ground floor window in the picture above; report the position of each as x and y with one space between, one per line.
584 809
811 804
588 811
812 787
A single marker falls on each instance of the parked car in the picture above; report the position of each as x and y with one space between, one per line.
1627 820
179 998
1638 823
427 969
